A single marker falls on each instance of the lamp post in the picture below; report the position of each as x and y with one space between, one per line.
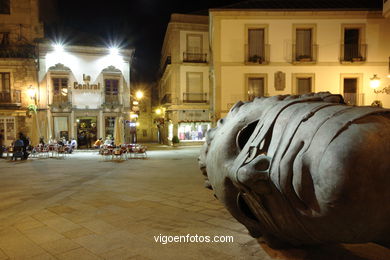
135 114
31 91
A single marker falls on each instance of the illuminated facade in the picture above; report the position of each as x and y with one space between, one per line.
82 89
19 28
258 52
184 90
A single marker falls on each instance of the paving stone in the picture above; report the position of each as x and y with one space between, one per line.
42 235
28 223
3 256
114 211
79 253
59 246
98 226
79 232
97 243
60 224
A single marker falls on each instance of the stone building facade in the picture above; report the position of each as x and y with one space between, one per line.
184 88
257 51
19 29
82 89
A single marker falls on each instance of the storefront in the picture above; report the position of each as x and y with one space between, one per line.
193 131
84 89
8 125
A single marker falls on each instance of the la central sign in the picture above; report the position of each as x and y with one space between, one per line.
86 86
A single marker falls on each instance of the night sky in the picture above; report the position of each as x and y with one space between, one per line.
139 24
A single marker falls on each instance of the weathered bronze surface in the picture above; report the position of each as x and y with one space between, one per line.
301 170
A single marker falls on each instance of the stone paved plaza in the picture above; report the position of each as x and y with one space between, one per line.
83 207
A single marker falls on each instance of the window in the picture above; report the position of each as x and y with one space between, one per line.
350 91
4 38
60 90
5 82
5 7
255 85
255 88
111 86
60 86
303 86
194 43
302 83
109 124
353 48
8 125
194 49
194 88
303 48
61 127
195 131
256 45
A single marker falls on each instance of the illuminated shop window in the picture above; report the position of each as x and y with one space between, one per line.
109 125
194 131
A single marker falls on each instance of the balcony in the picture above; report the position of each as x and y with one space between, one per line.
261 58
353 53
112 99
166 63
195 57
195 97
308 55
167 99
10 98
17 51
60 99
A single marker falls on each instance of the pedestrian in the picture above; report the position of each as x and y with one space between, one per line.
1 142
26 144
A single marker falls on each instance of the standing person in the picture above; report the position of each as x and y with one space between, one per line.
1 142
26 143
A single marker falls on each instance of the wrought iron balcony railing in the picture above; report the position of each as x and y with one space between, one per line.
10 97
304 54
195 97
17 51
262 56
166 63
60 99
111 98
167 99
195 57
353 52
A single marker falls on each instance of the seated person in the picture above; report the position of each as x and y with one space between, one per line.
108 141
98 143
73 144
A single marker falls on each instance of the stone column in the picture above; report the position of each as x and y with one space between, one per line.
72 125
101 125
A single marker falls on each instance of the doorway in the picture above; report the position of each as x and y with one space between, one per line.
350 91
86 131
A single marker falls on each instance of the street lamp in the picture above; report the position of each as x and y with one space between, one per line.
139 94
31 91
374 82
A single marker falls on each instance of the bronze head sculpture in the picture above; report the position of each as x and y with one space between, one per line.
303 170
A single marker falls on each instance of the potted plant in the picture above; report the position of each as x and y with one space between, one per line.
175 140
31 109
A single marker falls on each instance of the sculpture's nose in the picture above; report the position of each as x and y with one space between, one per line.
255 174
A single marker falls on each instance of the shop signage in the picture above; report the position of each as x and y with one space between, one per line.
86 86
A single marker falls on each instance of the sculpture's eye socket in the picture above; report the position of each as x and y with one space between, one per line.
245 133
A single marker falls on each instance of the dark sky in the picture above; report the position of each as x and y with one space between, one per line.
140 24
